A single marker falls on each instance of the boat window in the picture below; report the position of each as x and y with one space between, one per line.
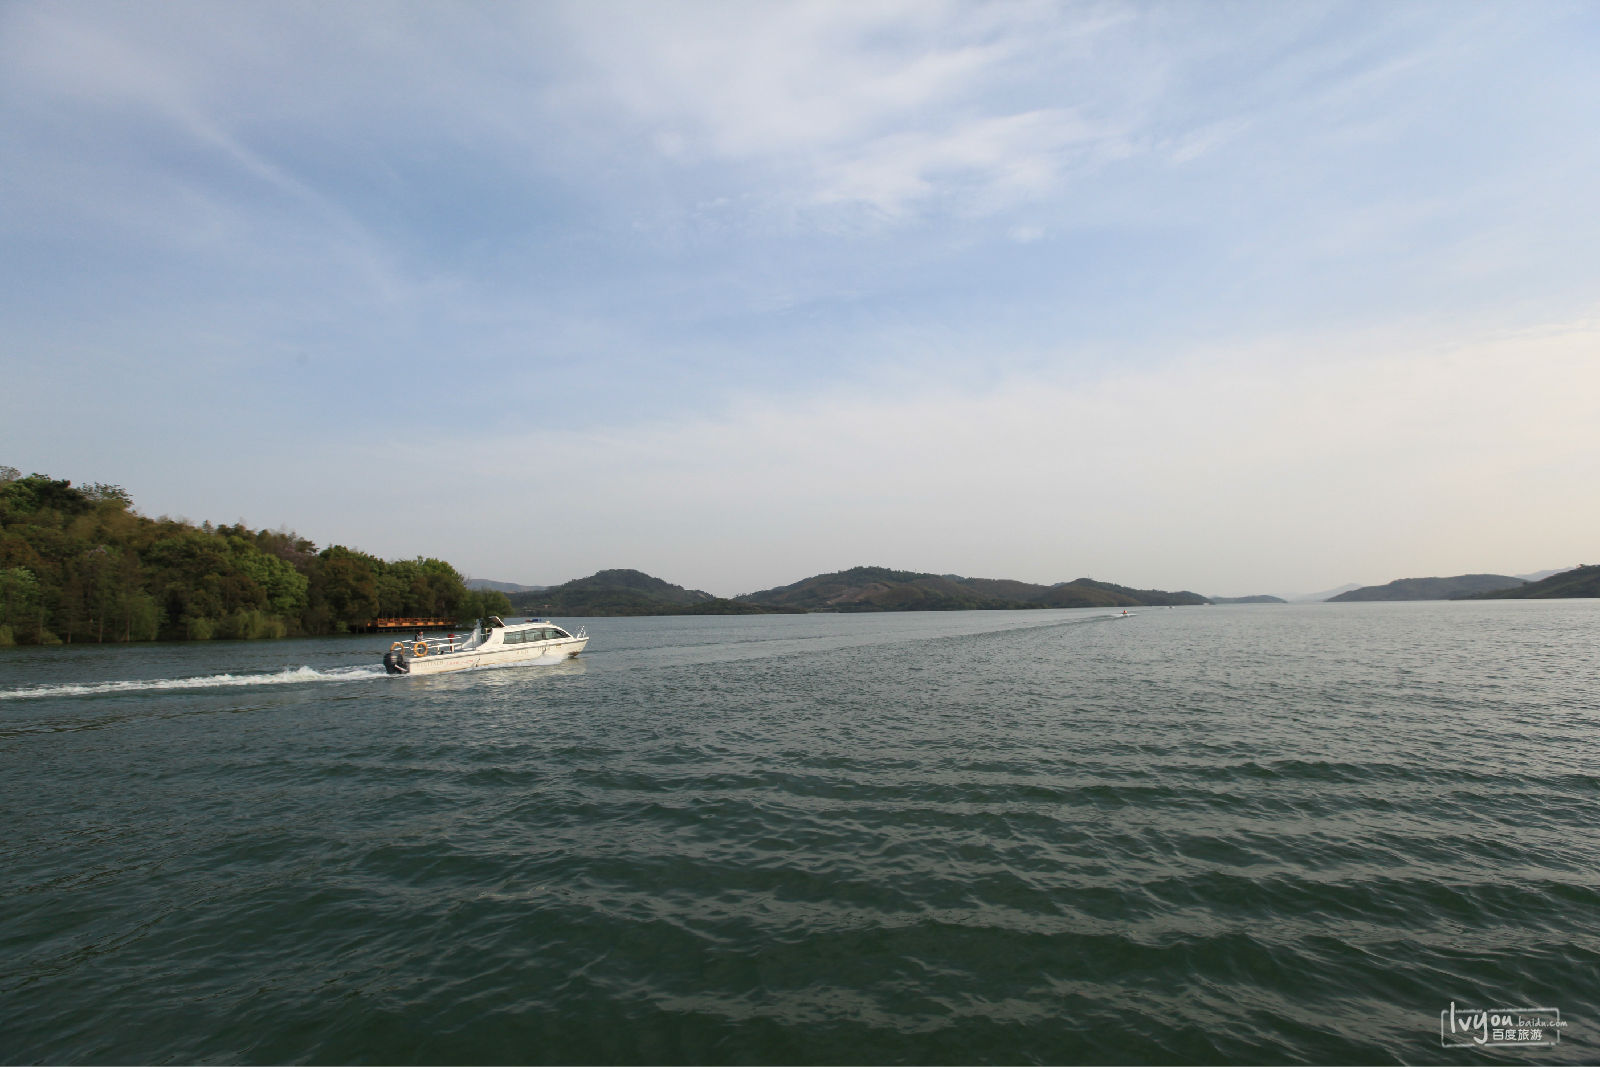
513 637
559 633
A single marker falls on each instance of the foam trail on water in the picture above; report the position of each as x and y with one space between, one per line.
208 681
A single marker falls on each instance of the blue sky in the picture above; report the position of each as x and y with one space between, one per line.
1231 297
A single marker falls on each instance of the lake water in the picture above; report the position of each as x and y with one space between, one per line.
1242 834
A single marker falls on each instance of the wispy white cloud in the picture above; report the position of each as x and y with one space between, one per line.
742 81
886 106
1202 140
980 164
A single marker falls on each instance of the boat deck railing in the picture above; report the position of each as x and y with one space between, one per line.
437 646
434 645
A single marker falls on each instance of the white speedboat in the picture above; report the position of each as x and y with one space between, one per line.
497 644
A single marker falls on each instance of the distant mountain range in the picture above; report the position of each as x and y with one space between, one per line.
1462 585
482 584
861 589
1580 581
631 592
882 589
1537 575
625 592
1326 594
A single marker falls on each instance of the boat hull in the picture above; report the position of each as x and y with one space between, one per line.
495 656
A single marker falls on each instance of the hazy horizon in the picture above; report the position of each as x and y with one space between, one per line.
1242 298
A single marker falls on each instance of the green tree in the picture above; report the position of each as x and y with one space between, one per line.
284 589
481 603
81 561
19 600
26 496
345 583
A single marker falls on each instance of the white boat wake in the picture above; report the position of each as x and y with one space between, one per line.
291 676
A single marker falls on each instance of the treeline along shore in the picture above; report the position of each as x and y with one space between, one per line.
78 564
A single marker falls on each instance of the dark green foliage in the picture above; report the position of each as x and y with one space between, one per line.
35 493
78 564
482 603
1462 585
1581 581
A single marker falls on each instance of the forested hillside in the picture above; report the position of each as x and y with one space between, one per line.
626 592
78 563
1454 588
883 589
1583 581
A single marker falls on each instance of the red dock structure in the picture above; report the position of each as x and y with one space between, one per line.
384 625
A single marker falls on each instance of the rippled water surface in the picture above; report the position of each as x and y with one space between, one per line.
1249 834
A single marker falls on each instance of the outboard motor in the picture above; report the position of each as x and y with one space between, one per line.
395 663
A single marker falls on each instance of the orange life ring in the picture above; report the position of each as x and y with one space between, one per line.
396 647
420 648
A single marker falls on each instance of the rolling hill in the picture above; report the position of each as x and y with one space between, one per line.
882 589
625 592
1462 585
488 584
1583 581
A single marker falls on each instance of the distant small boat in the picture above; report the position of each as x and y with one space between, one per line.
492 645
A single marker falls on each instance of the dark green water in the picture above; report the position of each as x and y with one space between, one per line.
1246 834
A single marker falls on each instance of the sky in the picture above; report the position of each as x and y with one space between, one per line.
1228 297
